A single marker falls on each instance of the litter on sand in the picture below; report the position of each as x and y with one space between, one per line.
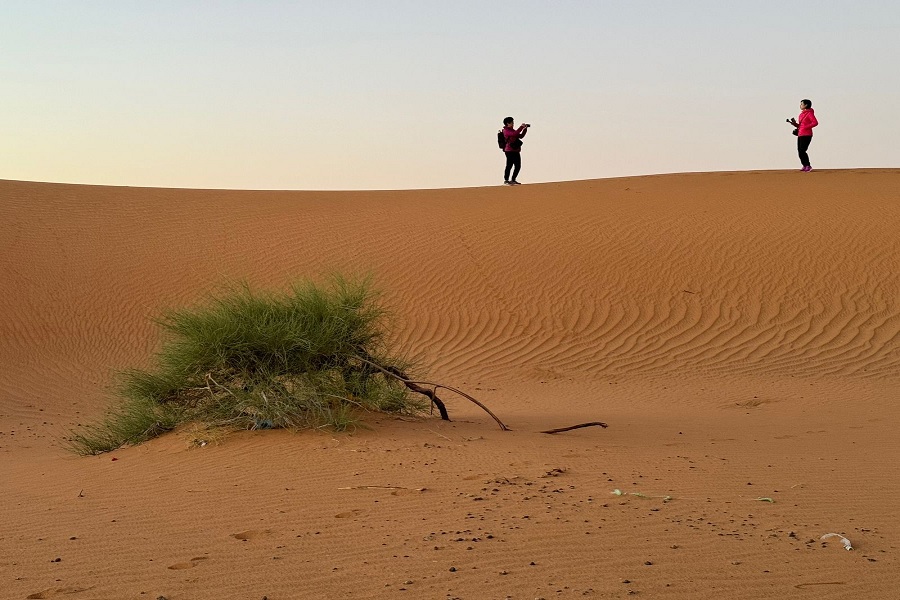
618 492
844 541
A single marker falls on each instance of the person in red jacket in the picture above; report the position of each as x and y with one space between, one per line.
513 149
804 125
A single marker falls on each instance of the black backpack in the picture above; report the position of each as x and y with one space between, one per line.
501 141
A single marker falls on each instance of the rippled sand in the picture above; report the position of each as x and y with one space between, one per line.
739 333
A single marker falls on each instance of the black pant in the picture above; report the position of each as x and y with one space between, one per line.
803 142
513 159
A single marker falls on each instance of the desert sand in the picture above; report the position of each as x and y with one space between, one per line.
739 333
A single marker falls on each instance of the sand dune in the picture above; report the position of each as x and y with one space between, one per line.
740 333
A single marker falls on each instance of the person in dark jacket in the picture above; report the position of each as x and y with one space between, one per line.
804 130
513 149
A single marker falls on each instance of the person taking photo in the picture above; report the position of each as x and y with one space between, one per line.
803 129
513 149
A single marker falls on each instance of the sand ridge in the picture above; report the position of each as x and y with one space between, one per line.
739 332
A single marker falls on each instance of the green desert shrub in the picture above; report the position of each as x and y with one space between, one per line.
310 357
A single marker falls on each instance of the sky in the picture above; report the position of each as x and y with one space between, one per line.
408 94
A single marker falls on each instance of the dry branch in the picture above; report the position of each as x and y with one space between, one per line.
376 487
579 426
416 386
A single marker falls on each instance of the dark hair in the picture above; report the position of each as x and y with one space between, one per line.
508 120
806 103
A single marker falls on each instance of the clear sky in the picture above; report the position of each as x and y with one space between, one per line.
397 94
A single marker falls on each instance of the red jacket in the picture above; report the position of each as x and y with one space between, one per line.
513 134
806 121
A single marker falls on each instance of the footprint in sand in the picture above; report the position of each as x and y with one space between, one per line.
347 514
50 592
189 564
250 534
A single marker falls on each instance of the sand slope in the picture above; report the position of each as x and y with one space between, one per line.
738 331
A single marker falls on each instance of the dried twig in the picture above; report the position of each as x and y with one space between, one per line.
416 386
579 426
377 487
441 435
209 378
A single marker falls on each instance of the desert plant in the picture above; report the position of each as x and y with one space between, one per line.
314 356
